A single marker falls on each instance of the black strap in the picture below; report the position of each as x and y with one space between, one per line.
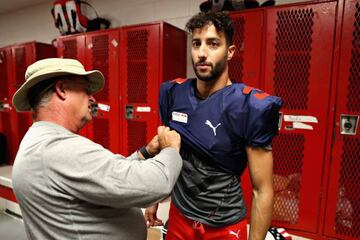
145 153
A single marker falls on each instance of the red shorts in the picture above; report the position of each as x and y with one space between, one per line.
182 228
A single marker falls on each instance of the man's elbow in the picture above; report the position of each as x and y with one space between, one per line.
164 190
263 192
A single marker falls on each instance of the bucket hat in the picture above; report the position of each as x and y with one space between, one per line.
53 67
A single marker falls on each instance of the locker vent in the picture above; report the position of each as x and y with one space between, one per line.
4 87
353 100
288 166
137 45
347 220
136 135
100 61
293 56
101 132
236 68
70 49
20 65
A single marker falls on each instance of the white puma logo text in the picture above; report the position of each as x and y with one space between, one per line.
212 127
235 234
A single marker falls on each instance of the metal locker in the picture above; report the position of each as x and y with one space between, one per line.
5 104
297 67
23 55
150 54
245 66
102 53
73 46
342 220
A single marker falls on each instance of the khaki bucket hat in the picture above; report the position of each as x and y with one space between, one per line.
53 67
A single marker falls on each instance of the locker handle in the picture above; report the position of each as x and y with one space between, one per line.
348 124
4 106
129 112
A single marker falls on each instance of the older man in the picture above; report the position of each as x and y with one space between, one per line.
69 187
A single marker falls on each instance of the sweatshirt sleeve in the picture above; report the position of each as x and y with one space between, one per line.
93 174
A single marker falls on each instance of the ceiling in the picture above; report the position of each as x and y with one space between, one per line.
13 5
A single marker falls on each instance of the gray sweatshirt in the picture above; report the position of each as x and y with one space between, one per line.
69 187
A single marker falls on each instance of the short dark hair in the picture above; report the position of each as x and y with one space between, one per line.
221 21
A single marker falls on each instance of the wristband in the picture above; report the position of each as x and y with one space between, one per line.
145 153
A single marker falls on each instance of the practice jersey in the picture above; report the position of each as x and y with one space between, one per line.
214 134
218 128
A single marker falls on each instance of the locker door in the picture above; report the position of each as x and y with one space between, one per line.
342 219
73 47
5 55
139 71
5 102
102 53
245 65
22 56
298 56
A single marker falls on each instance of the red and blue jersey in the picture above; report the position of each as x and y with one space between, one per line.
218 129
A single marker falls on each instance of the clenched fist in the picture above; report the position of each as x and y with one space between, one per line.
168 138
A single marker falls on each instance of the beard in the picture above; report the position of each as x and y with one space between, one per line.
216 70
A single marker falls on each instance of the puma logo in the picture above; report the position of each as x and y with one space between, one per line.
235 234
212 127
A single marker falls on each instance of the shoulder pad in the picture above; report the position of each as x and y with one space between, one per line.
257 93
179 80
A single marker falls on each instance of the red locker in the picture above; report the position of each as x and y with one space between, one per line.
99 50
245 66
102 53
342 219
5 102
73 46
150 54
297 67
18 58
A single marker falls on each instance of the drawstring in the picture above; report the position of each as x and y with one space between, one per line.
198 226
199 230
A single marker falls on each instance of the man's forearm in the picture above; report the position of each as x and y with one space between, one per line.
261 214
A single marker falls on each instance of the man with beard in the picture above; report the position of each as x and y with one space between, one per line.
223 126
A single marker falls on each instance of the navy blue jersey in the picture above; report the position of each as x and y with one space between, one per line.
219 128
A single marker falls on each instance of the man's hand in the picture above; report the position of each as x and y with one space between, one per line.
168 138
153 146
151 218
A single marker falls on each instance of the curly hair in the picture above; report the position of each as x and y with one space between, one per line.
221 21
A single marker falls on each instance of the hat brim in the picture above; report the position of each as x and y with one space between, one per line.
20 98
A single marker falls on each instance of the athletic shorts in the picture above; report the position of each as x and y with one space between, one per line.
182 228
